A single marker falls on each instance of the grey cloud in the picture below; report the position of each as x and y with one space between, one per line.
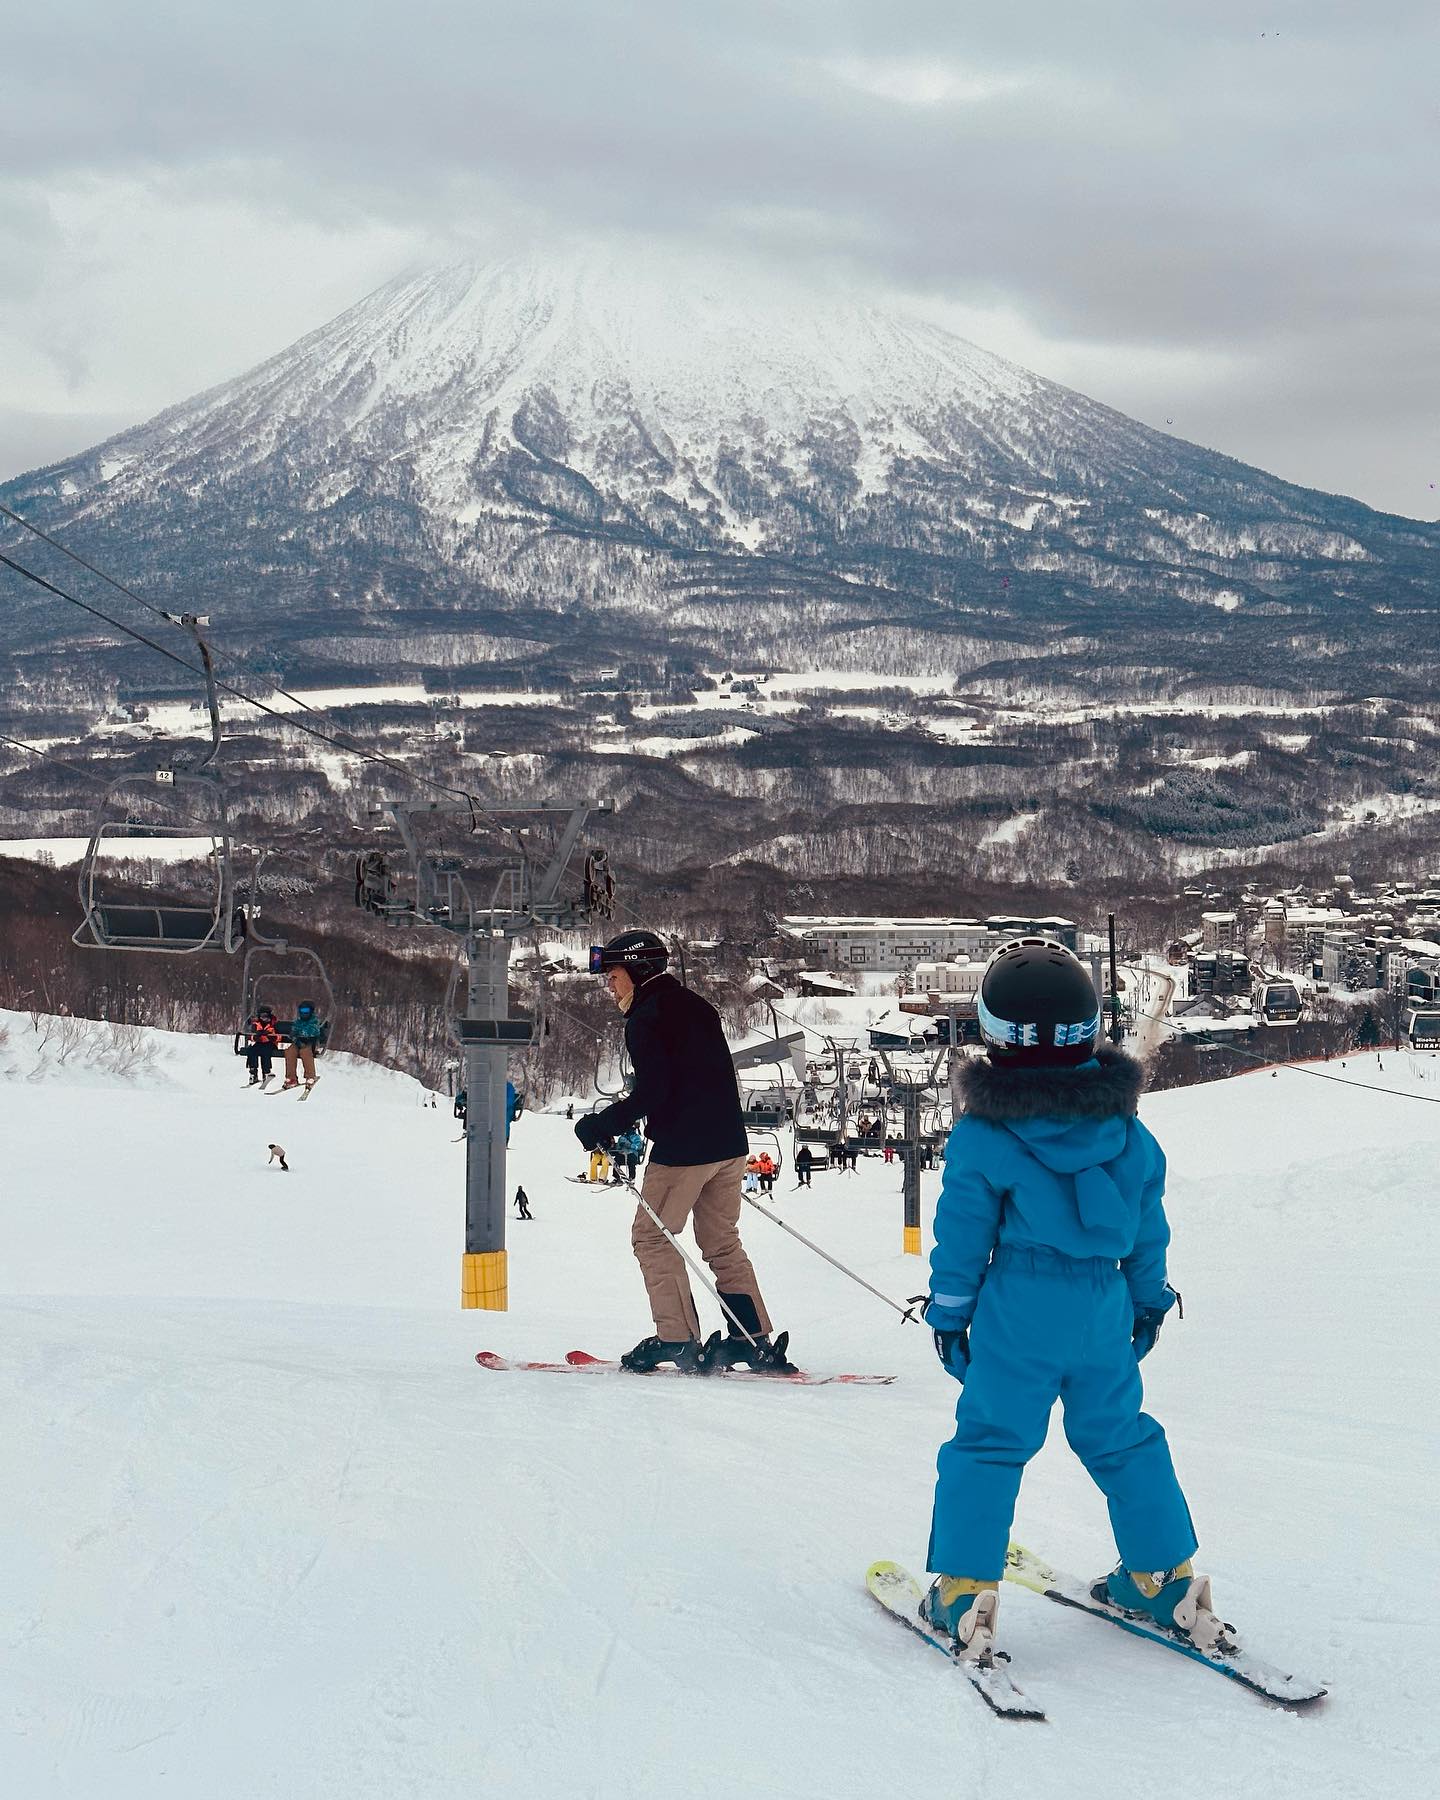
1138 176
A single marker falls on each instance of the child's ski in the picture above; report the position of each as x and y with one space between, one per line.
899 1593
1024 1567
579 1362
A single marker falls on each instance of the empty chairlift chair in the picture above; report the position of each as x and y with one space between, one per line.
116 919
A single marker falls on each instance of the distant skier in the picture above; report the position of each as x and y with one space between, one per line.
685 1090
277 1155
522 1204
1050 1239
804 1165
305 1034
262 1040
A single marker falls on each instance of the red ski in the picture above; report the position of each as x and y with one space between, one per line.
579 1362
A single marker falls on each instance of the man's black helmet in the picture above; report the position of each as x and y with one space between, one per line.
1037 1005
640 953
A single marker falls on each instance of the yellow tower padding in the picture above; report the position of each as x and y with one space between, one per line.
484 1282
912 1240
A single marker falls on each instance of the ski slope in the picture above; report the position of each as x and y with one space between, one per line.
270 1531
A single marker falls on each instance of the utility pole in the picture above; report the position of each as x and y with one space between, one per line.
488 914
1117 1030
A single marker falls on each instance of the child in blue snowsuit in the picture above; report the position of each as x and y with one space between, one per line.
1048 1282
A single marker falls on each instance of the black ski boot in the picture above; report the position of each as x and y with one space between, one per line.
761 1356
688 1355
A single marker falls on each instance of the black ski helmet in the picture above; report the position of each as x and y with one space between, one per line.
1037 1005
640 953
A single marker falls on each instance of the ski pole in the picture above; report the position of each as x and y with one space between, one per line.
694 1266
907 1314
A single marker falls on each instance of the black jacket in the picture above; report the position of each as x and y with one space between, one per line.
685 1087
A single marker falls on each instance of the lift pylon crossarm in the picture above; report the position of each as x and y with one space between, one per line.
447 893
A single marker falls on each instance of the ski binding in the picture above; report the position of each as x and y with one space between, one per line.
900 1594
1228 1657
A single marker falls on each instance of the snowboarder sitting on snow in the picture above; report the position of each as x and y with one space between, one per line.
685 1089
306 1034
262 1040
1048 1282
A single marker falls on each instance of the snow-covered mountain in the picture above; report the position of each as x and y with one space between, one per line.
538 451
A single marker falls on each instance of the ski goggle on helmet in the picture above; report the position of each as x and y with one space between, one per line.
1037 1005
640 953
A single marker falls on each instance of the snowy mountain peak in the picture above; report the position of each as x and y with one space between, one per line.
612 361
718 348
614 433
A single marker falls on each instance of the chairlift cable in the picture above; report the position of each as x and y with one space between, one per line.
1254 1056
231 658
57 762
283 719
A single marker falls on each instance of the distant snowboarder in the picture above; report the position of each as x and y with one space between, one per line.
1050 1238
277 1155
522 1204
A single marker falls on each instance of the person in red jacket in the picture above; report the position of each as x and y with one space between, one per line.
262 1040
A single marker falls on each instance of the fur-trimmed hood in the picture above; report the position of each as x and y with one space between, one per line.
1010 1094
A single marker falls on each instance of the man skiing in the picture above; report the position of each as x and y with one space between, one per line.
1048 1282
685 1090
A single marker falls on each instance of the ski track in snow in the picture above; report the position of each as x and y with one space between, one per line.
270 1530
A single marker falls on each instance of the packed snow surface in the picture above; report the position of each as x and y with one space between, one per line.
269 1530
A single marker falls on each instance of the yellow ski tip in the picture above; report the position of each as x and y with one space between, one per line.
1026 1569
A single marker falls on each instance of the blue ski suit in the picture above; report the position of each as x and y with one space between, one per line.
1050 1236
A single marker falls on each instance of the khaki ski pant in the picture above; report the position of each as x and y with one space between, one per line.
709 1195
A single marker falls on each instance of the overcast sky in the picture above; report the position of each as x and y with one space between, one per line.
1222 218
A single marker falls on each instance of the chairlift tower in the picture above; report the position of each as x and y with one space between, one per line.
912 1087
486 915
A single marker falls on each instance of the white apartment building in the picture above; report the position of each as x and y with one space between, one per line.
962 976
859 943
1219 931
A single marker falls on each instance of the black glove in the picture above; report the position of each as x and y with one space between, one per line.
590 1131
1148 1320
951 1331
